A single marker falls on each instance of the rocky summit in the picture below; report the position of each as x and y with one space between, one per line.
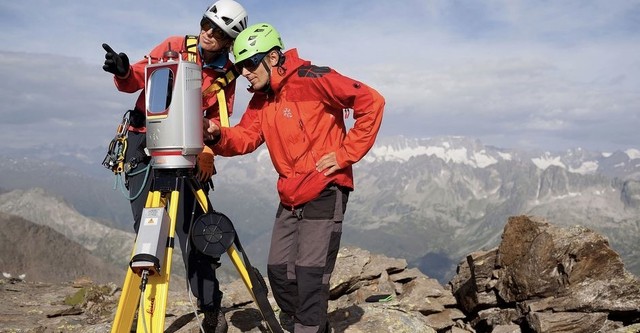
541 278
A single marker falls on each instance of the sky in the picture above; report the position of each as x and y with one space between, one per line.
533 74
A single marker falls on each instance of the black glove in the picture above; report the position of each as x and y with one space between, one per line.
116 63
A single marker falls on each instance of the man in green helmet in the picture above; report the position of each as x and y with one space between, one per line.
298 110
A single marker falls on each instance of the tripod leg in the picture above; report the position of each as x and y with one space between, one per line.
255 284
201 197
157 290
250 276
128 302
155 297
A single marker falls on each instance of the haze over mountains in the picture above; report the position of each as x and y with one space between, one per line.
430 201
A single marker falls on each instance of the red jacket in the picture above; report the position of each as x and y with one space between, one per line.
135 81
301 119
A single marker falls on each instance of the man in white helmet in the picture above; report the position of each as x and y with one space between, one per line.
220 25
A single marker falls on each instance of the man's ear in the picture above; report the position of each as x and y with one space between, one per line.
274 57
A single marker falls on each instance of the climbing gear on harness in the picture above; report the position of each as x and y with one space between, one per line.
114 160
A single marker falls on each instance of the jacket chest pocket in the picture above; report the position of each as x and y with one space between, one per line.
292 131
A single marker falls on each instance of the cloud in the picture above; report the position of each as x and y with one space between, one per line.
551 75
56 99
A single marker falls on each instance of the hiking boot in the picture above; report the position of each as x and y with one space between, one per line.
286 321
327 328
215 322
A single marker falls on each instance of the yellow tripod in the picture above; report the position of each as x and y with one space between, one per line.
146 285
165 196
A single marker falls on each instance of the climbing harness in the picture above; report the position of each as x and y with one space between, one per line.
217 87
115 159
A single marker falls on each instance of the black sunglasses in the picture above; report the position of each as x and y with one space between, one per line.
218 33
250 63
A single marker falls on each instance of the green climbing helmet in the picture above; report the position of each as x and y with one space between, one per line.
257 38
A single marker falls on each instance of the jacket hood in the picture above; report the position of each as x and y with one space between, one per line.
291 64
279 74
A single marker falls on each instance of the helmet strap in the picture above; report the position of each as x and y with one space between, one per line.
281 58
267 86
281 70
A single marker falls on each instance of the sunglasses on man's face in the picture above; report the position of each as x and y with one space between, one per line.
206 25
251 63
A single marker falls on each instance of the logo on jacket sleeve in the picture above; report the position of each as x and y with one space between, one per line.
287 113
313 71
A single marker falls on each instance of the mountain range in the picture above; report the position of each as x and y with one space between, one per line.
39 253
431 201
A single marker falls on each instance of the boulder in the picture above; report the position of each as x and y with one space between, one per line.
547 279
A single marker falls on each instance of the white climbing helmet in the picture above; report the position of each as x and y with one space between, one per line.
229 15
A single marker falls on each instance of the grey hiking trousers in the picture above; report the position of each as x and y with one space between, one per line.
304 246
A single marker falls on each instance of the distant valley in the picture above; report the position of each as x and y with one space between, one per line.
431 201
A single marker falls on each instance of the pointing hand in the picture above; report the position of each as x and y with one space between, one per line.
115 63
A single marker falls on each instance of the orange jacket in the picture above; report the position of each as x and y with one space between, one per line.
301 119
136 80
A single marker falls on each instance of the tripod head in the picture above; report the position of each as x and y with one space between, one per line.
174 111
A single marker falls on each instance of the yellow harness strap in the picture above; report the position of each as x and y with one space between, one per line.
191 43
217 88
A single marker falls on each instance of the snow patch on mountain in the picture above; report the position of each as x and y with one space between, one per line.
483 159
546 160
478 159
390 153
505 156
586 168
446 151
633 153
